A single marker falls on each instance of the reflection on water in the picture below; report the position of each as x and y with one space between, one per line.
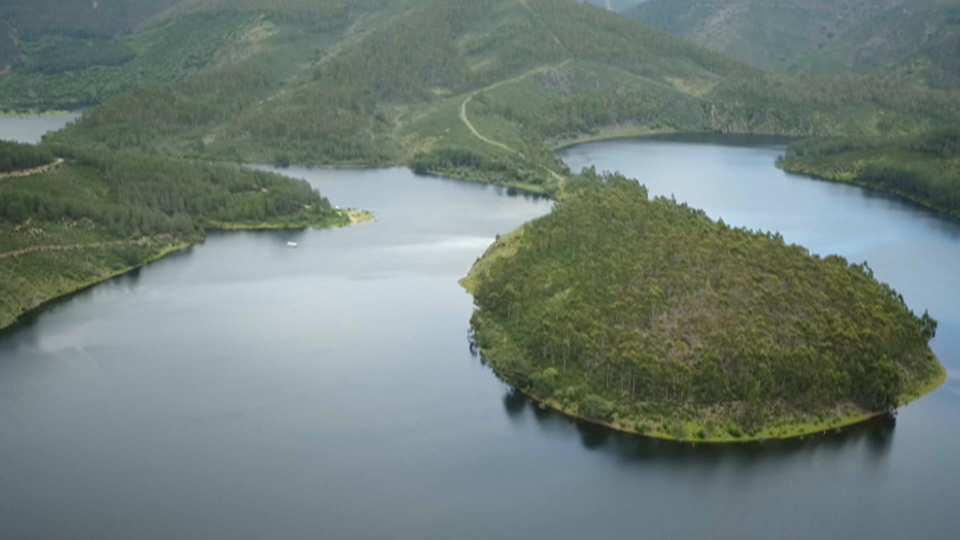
875 436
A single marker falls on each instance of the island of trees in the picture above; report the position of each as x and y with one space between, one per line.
647 316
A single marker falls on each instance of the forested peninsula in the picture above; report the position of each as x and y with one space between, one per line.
647 316
100 214
924 168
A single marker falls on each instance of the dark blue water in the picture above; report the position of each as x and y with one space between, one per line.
244 389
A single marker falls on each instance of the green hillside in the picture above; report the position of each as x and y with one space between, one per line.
481 89
38 30
98 215
915 39
649 317
918 41
63 68
102 19
772 35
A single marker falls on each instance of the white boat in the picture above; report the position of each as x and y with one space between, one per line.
292 244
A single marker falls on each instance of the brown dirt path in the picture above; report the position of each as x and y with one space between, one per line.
30 172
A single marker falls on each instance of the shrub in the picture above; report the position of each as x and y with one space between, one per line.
594 406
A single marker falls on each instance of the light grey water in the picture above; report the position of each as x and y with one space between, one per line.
244 389
30 129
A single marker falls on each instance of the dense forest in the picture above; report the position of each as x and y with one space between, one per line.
18 156
102 213
647 315
924 168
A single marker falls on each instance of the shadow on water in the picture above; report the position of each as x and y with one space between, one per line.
719 139
508 191
127 282
875 436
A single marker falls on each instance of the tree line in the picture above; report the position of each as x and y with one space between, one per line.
16 156
133 195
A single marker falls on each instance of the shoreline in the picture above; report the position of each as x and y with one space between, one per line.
851 182
799 430
691 429
33 310
18 319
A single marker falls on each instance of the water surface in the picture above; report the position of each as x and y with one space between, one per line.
31 128
244 389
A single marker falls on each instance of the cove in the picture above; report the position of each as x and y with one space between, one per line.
32 128
244 389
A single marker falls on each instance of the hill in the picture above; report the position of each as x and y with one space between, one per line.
475 89
914 39
124 45
772 35
99 215
918 40
649 317
47 28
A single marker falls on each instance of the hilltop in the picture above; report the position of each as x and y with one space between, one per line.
647 316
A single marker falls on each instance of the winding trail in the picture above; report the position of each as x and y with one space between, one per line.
466 120
465 117
30 172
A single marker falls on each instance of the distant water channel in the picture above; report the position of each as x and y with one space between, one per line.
31 128
245 389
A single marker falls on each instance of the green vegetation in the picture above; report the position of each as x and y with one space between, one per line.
101 214
32 20
58 72
918 40
924 168
612 307
477 90
772 35
648 316
17 156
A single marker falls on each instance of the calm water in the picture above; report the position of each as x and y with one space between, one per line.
30 129
244 389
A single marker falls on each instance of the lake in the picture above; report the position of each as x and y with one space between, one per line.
244 389
31 128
